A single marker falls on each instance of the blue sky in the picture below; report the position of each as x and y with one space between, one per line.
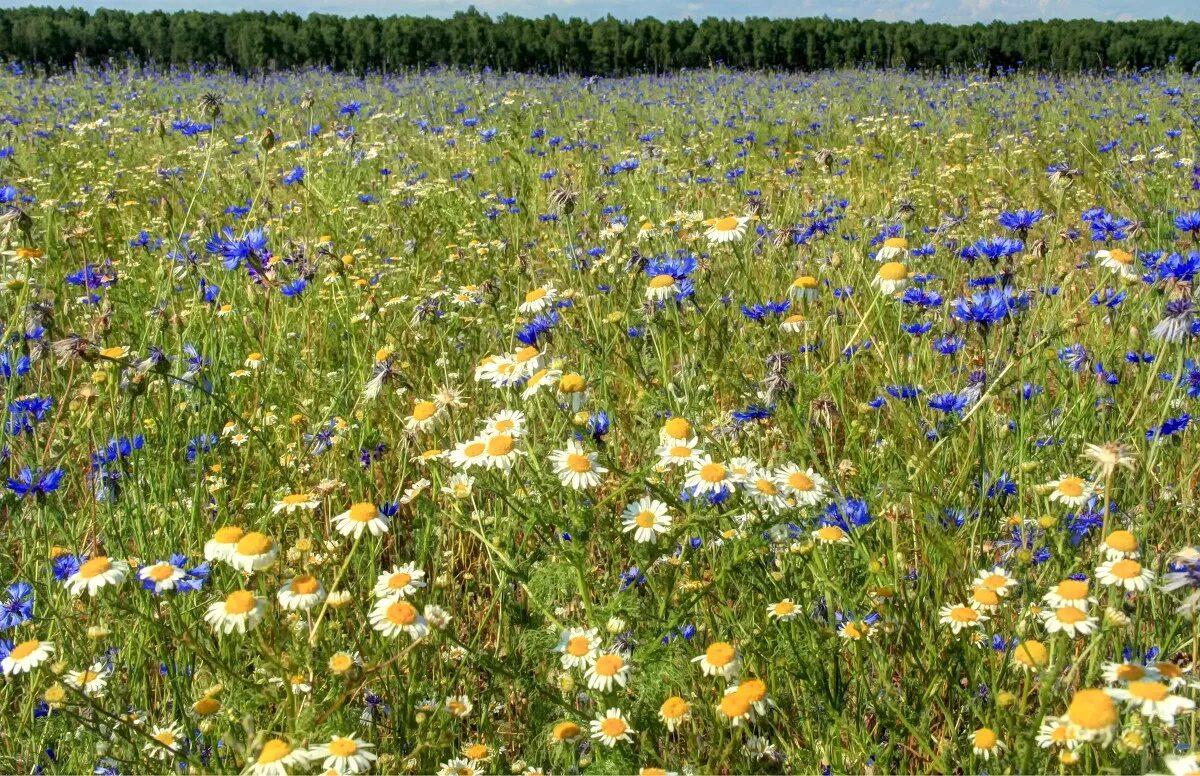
954 11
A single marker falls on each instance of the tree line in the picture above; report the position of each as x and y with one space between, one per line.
257 41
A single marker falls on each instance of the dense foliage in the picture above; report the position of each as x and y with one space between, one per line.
715 422
254 41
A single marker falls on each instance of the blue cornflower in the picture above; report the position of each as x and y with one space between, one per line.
1020 221
1189 222
295 288
989 307
993 249
34 481
752 413
846 514
904 392
200 445
598 424
1189 380
918 297
1169 427
1106 227
11 366
293 176
917 329
948 345
1075 357
17 605
27 412
948 402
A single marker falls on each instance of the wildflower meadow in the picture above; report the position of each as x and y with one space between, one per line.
460 422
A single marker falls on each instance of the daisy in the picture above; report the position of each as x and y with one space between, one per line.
960 617
275 757
393 617
1069 619
720 659
565 732
793 324
538 299
578 646
91 682
1069 592
985 600
784 611
997 580
661 287
511 422
1126 573
414 490
831 534
292 502
576 467
26 656
766 492
166 742
1171 672
678 452
458 766
360 517
344 754
459 486
611 728
1071 490
1056 731
804 485
1153 699
1182 765
424 416
342 662
891 277
161 576
985 744
1116 673
458 706
727 229
892 248
647 518
500 451
1120 544
755 691
99 572
400 582
805 288
301 593
1031 655
437 617
737 709
709 476
206 706
1108 457
1119 261
473 452
240 611
606 669
677 429
477 752
674 711
540 379
253 552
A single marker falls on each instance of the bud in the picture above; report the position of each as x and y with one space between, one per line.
268 139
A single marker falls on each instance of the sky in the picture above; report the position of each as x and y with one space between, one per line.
952 11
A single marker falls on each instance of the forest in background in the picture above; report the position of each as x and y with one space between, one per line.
257 41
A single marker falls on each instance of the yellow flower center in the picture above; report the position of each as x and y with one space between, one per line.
166 738
1031 653
297 498
1071 487
399 580
1169 670
254 543
572 383
565 731
895 242
1148 691
800 481
712 472
995 581
240 602
964 614
681 451
1070 614
735 705
766 487
341 662
613 727
535 295
674 707
720 654
230 534
402 613
474 449
753 689
830 533
24 649
805 281
1120 256
985 597
95 567
579 463
677 428
424 410
608 665
1072 589
273 751
645 519
985 739
1127 672
476 751
1121 541
893 270
206 706
1126 569
306 584
500 445
342 747
854 630
784 608
661 281
578 646
160 572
